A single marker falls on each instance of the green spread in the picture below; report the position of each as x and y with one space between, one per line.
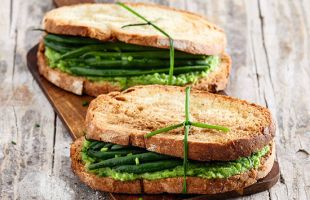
208 170
125 82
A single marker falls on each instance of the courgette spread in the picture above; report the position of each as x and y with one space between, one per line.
130 163
123 64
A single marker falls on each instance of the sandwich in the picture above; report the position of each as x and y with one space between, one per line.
138 142
99 48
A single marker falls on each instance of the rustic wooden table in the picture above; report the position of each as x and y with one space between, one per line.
270 46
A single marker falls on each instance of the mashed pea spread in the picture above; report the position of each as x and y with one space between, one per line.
125 82
208 170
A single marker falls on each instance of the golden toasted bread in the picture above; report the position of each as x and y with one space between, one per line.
195 185
191 33
125 117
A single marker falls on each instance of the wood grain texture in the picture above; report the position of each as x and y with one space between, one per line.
70 108
269 44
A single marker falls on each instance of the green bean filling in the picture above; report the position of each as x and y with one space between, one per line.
130 163
124 64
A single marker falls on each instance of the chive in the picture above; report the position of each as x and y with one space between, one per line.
171 61
171 47
187 97
185 143
13 142
37 125
166 129
85 103
185 160
216 127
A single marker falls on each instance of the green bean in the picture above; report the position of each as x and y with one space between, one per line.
70 39
74 40
94 143
149 167
128 160
57 47
141 63
121 73
146 54
117 146
112 154
80 51
106 46
108 145
98 146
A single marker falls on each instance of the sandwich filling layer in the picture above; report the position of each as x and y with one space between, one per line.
124 64
130 163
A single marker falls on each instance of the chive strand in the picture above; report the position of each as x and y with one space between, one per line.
187 102
185 160
209 126
171 47
166 129
171 69
186 131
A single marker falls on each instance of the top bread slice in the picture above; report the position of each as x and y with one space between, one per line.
125 117
191 33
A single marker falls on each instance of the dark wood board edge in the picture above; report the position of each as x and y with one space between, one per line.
49 91
60 99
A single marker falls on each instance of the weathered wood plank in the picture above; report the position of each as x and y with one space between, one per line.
72 188
286 40
20 109
269 44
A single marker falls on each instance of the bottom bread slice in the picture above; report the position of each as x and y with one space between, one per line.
195 185
215 81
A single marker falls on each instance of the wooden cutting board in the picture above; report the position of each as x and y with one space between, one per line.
71 109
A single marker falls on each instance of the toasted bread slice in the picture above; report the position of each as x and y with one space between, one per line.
191 33
215 81
125 117
195 185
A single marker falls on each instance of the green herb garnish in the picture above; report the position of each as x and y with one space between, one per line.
171 46
187 124
13 142
166 129
37 125
85 103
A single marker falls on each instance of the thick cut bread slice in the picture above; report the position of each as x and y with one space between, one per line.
215 81
191 33
195 185
125 117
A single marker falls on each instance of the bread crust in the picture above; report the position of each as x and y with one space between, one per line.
215 81
130 124
195 185
210 46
